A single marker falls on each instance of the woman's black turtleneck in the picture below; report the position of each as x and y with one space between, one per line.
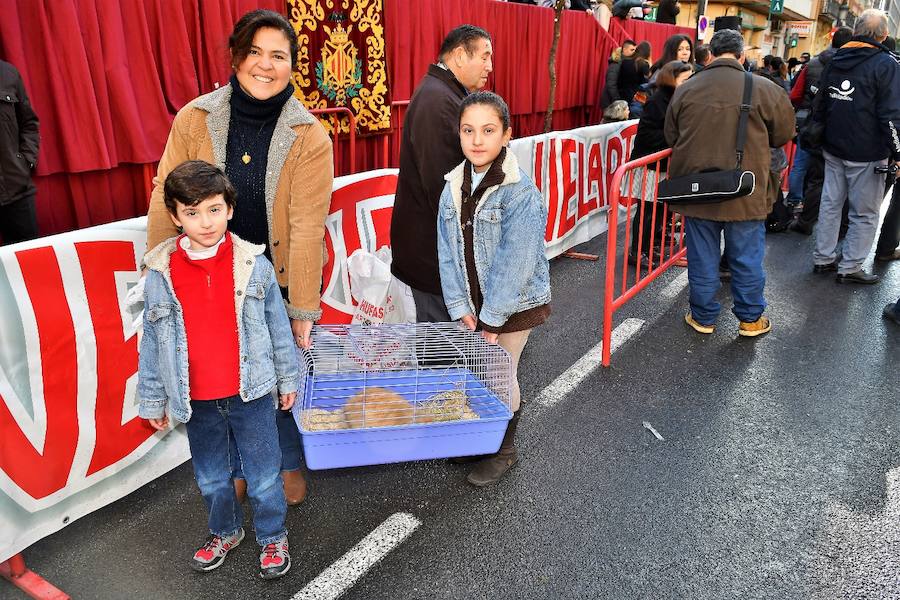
250 131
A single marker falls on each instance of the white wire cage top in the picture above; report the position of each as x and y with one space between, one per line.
394 375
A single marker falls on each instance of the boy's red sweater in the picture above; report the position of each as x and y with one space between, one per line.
205 289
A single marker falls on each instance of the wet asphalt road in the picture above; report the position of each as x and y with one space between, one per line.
778 476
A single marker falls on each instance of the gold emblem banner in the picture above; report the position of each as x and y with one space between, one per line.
342 62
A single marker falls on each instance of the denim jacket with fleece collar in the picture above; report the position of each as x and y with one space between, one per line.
268 355
508 232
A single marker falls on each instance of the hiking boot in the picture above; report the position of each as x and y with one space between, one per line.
294 487
465 460
274 560
895 255
698 327
758 327
825 268
492 468
858 277
213 552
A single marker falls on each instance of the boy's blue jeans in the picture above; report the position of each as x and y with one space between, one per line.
252 425
288 441
745 245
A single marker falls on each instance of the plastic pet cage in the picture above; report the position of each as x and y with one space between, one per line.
375 394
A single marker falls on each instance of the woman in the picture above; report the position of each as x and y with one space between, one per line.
611 90
633 73
649 139
678 47
667 11
279 159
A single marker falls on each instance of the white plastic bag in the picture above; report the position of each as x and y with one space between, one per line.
380 297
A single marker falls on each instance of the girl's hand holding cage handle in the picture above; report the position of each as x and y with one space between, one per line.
490 338
286 401
469 322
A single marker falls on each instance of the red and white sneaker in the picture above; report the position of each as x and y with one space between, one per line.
274 560
213 552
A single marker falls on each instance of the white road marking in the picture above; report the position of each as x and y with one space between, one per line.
587 364
334 581
675 286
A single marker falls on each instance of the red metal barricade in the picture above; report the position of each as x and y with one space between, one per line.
336 131
15 571
635 182
390 143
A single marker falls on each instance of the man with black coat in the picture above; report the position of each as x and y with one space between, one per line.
429 149
19 141
808 169
861 113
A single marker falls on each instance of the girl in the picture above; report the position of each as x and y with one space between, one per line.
678 47
494 274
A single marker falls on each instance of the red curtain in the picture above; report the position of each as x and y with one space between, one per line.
106 78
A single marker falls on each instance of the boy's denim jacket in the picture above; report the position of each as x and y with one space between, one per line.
509 226
268 355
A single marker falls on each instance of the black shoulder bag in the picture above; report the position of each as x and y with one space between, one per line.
811 134
707 187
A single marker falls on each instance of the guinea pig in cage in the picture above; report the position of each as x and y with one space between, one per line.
374 394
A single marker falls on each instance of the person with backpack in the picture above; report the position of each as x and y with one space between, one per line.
859 107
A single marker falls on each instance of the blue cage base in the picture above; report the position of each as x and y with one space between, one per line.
382 445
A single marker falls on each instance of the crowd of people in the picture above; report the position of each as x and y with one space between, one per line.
236 225
841 108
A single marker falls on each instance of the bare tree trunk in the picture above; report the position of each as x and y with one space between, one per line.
557 26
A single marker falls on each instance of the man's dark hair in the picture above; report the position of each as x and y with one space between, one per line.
490 99
632 42
726 41
793 62
890 43
767 61
841 36
701 54
464 35
193 181
241 38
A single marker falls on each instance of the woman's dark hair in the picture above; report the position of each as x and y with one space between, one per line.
642 51
670 72
778 66
241 38
841 37
490 99
467 36
670 51
193 181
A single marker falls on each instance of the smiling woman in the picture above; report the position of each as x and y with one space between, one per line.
279 159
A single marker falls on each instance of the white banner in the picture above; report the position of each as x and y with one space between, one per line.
71 439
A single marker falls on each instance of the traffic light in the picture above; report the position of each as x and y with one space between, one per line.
793 39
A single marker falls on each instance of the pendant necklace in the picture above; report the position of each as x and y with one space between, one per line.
245 158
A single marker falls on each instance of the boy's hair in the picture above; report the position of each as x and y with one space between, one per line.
629 43
193 181
669 73
490 99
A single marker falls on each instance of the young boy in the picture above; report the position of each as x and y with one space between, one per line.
216 342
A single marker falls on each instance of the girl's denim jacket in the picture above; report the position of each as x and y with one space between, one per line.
268 356
509 226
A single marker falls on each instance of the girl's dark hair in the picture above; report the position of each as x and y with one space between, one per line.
642 51
193 181
670 72
670 51
490 99
241 38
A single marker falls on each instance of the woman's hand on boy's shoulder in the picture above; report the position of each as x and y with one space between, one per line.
469 322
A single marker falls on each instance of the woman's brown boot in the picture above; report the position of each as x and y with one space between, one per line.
491 469
240 490
294 487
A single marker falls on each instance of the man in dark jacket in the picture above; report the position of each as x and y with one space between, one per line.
19 141
861 112
808 169
696 146
611 89
429 149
